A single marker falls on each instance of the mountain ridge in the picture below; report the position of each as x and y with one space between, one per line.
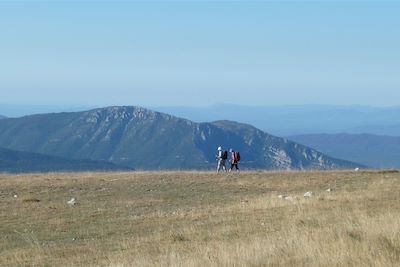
149 140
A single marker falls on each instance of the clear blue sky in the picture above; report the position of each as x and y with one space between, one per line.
200 53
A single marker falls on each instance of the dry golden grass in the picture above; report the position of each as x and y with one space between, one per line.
200 219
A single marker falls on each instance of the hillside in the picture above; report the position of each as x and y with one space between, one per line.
19 162
2 117
144 139
371 150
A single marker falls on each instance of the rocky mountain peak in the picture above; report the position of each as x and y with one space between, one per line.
124 113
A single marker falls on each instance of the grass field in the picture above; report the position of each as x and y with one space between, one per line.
200 219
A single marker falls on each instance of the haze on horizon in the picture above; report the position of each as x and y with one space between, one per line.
200 53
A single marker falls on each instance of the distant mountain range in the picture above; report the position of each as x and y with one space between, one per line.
301 119
284 120
2 117
371 150
143 139
17 161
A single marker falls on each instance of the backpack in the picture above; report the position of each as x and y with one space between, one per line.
224 155
237 156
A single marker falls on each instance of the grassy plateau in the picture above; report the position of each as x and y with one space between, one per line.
200 219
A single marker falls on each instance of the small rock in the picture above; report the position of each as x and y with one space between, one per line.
329 190
289 198
15 195
356 169
281 196
72 201
308 194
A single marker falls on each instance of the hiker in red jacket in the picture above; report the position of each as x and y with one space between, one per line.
235 158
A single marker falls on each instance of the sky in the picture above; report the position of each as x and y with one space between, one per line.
198 53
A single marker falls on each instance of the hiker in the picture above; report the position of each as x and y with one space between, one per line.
221 157
235 158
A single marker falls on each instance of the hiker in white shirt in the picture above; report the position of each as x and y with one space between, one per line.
221 157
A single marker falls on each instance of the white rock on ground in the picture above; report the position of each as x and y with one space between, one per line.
289 198
72 201
308 194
